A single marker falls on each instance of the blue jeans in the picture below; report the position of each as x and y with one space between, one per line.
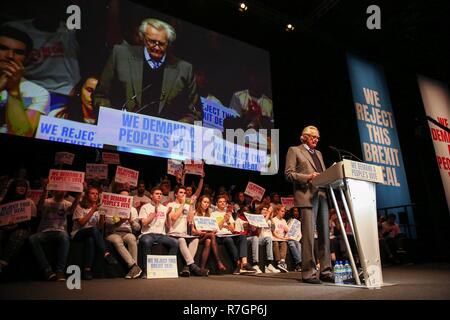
296 251
146 242
63 241
256 242
92 239
232 244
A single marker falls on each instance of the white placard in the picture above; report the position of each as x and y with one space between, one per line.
15 212
174 167
256 220
125 175
96 171
254 191
64 158
161 267
65 180
194 168
110 158
205 223
288 202
295 230
113 204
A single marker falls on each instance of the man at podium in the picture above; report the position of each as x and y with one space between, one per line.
303 163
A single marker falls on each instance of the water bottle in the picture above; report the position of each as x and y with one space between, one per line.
337 270
348 272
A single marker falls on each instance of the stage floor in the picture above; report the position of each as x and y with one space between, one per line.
421 281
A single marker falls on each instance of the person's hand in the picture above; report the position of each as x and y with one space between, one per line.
193 199
44 184
313 175
14 72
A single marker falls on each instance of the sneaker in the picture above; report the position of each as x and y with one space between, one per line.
110 259
134 272
49 275
144 274
197 271
282 266
247 268
60 276
298 268
256 267
237 270
87 274
185 272
271 269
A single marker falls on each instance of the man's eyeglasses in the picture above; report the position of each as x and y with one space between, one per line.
20 52
314 137
154 43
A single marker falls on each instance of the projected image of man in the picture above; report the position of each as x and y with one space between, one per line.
149 80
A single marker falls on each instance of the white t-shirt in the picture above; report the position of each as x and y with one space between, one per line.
53 62
179 227
54 215
80 213
33 96
124 227
279 227
266 232
219 215
158 223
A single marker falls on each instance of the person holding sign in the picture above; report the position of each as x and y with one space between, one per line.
280 231
14 235
119 232
141 198
295 233
86 224
207 237
304 163
155 222
232 242
182 217
53 228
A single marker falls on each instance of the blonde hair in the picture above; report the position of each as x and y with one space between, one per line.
307 130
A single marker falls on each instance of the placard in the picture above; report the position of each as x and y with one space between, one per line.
125 175
65 180
110 158
64 158
113 204
254 191
15 212
161 267
205 223
288 202
96 171
256 220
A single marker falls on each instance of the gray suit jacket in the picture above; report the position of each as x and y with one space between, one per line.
299 165
121 80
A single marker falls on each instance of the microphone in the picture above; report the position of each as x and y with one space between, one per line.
163 95
135 95
339 151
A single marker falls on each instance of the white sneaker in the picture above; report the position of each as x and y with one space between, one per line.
282 267
271 269
256 267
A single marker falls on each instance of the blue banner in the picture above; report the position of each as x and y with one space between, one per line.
378 133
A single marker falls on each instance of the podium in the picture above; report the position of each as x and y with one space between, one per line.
356 182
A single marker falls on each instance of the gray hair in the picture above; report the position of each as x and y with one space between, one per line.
307 130
158 24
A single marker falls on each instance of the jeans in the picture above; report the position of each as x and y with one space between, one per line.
92 239
296 251
119 240
232 244
256 242
63 241
146 241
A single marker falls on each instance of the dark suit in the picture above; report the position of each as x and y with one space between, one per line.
122 78
313 206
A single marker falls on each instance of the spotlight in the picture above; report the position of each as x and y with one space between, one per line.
243 7
289 27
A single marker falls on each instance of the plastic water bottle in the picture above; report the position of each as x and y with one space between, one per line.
348 272
338 273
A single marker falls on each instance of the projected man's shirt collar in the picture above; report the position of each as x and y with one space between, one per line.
151 62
